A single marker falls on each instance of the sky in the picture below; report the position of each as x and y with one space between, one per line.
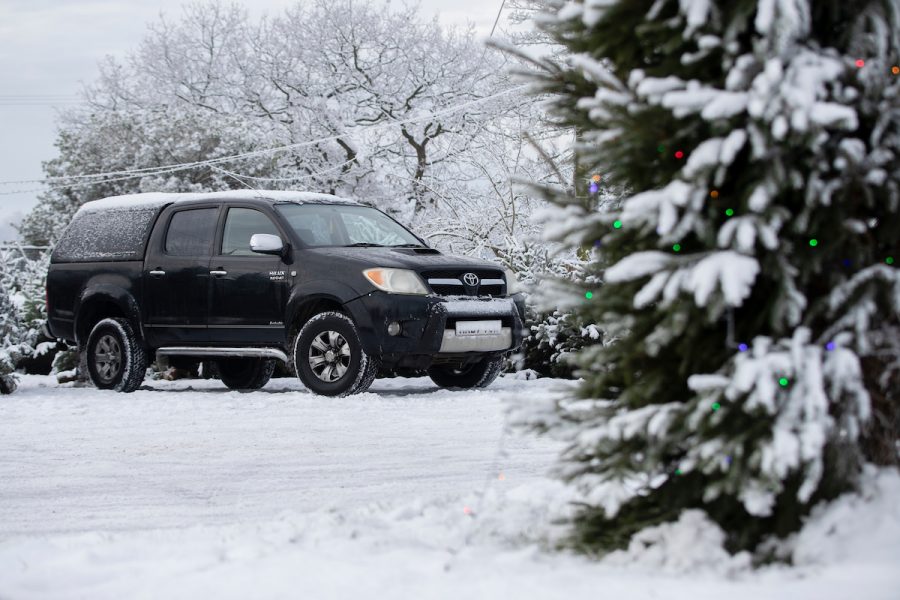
49 48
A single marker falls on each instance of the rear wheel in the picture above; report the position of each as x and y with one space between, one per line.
475 375
115 359
245 373
329 357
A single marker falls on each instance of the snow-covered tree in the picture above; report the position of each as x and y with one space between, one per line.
9 332
749 297
23 274
12 332
367 96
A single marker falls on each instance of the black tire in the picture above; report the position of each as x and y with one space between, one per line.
476 375
115 358
245 374
347 370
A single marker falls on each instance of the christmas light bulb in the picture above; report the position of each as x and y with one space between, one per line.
860 63
595 178
589 295
676 247
593 188
679 154
729 212
829 346
714 194
814 242
617 224
716 406
742 347
783 382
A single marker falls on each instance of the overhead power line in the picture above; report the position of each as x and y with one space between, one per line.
114 176
38 99
497 20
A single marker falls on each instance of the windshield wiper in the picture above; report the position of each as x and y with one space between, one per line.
409 246
364 245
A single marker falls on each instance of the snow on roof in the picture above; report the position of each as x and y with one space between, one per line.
154 199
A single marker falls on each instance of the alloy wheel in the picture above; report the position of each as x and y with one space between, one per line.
329 356
108 358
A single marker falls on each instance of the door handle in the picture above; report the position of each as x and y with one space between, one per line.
218 273
157 273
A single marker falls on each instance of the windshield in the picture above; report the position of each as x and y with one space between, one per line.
344 225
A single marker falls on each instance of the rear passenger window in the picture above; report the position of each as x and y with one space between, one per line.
191 232
240 225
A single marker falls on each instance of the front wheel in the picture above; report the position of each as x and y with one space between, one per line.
245 374
115 358
329 357
476 375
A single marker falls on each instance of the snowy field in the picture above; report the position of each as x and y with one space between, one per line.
188 490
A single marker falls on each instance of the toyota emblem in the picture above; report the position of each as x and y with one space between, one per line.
470 279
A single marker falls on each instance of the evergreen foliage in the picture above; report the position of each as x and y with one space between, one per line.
554 339
10 333
22 310
750 298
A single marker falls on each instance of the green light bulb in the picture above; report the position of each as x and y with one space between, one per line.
716 406
589 295
814 242
728 212
676 247
617 224
783 382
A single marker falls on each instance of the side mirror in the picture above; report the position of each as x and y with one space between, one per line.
265 243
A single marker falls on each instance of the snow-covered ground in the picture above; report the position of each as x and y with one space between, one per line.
188 490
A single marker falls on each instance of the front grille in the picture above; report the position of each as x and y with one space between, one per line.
452 283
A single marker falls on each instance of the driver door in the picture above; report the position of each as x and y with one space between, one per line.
248 290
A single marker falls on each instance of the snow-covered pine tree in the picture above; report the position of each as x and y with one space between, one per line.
750 298
9 339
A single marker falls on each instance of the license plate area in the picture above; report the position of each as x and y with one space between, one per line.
490 327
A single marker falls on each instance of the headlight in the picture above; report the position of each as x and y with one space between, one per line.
396 281
513 286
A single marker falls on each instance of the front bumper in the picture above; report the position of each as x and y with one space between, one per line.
428 327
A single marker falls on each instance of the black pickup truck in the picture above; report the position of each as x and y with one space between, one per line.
336 290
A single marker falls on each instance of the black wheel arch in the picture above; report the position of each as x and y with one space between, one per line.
104 301
314 297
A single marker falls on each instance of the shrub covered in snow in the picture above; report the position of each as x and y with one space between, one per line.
750 299
10 333
23 275
553 340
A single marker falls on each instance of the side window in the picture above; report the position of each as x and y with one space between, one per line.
191 232
240 225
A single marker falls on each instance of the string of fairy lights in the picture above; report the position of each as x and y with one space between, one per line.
742 347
